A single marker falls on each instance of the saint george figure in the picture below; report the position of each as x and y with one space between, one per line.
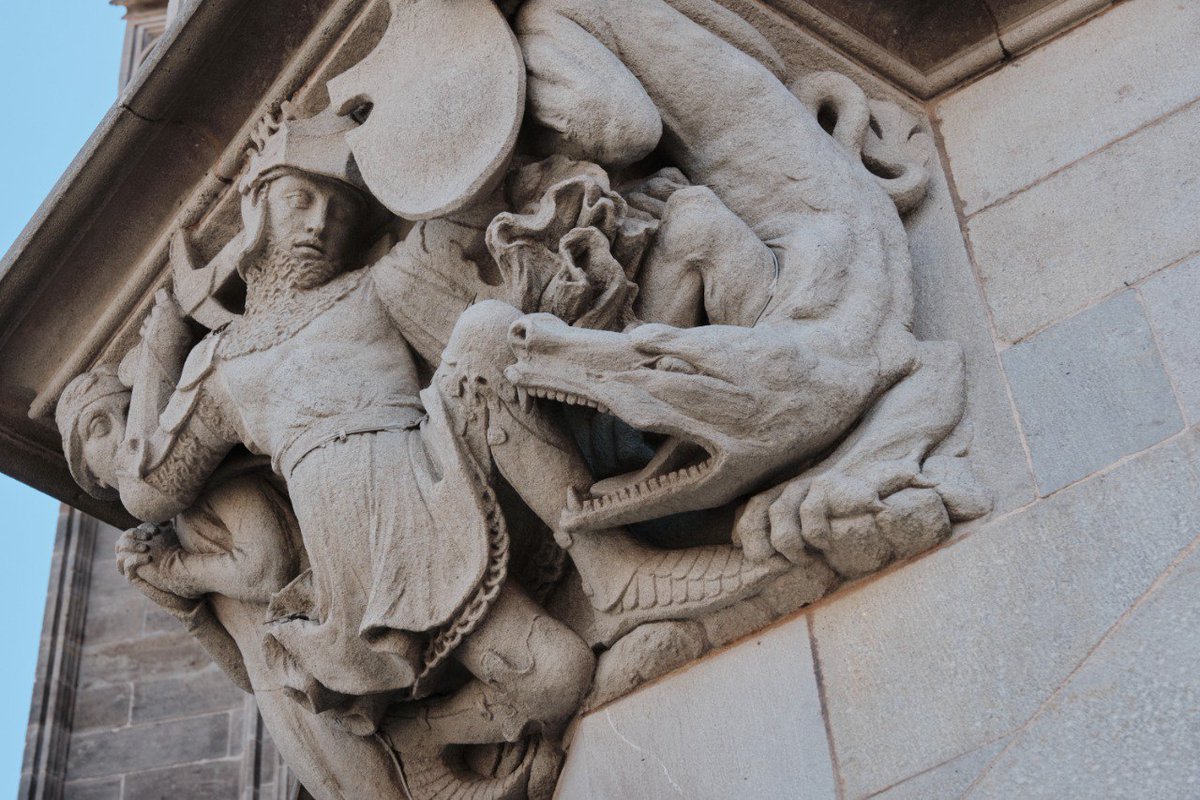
393 486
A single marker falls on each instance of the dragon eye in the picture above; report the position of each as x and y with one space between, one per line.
674 364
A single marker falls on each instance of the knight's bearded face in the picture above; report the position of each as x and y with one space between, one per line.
311 221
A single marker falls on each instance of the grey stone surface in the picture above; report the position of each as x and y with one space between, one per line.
208 781
1127 725
1090 390
186 695
1070 97
150 746
102 789
949 306
946 781
1107 221
961 647
1171 300
102 707
743 723
145 658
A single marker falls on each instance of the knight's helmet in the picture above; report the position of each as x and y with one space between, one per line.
280 143
316 146
313 146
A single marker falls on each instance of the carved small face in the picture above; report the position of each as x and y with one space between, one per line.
102 429
311 218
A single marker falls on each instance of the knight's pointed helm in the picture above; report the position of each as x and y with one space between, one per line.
281 143
315 146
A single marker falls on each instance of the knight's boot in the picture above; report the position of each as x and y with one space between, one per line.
635 583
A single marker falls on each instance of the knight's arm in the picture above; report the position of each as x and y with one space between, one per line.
170 456
428 280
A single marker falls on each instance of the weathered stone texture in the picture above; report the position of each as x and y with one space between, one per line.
963 646
944 781
1105 222
149 704
1070 97
744 723
1127 725
143 747
1171 301
1090 390
207 781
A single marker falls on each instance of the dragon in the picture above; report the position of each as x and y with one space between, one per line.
773 355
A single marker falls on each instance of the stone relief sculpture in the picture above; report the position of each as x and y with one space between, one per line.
511 421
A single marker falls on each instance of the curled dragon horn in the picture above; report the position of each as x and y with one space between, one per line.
874 131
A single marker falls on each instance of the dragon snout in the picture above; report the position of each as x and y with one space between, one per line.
518 337
533 333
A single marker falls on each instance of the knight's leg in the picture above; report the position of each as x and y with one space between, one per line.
531 672
705 265
530 448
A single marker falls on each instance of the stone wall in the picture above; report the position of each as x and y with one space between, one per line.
1050 649
139 711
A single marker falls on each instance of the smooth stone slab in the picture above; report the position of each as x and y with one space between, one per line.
1076 94
744 723
144 747
1090 390
945 782
207 781
1128 724
1171 300
961 647
1104 223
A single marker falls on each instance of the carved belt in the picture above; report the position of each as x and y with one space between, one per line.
340 428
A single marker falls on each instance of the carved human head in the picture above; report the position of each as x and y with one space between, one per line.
303 196
91 418
311 218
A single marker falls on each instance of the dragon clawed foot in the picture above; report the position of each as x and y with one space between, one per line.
860 520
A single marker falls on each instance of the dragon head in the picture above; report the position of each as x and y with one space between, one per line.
723 404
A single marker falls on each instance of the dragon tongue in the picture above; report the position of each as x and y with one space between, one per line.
674 454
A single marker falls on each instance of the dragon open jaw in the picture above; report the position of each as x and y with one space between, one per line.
677 464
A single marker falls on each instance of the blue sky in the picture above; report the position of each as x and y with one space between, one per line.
58 75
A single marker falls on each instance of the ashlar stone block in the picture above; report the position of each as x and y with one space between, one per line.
1171 299
1104 223
1072 96
744 723
945 781
144 747
960 648
1127 725
1091 390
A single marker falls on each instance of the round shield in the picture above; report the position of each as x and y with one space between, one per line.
445 89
